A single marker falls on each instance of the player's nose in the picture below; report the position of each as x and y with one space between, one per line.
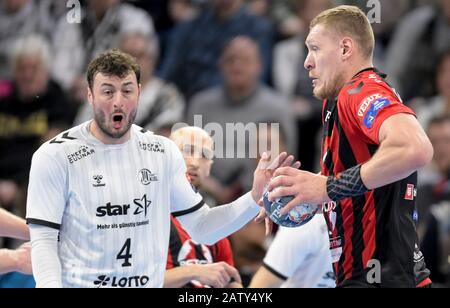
118 101
309 63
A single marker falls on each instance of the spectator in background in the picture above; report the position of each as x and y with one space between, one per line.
195 46
166 15
434 205
286 15
240 99
160 104
32 113
182 10
412 55
103 23
190 264
21 18
428 108
436 185
291 79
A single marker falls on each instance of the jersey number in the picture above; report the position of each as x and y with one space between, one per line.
125 254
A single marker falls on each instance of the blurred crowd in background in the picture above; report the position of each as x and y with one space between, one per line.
188 69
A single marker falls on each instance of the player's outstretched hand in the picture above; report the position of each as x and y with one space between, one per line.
306 187
265 169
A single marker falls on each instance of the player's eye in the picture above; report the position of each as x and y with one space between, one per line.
197 152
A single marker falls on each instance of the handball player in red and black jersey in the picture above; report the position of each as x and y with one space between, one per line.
372 147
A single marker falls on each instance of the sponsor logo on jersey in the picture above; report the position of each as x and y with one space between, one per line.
140 205
146 176
366 102
373 111
98 178
328 116
155 147
411 192
121 282
375 78
83 152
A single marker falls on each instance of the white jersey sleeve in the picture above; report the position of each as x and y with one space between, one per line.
301 256
183 198
47 190
288 250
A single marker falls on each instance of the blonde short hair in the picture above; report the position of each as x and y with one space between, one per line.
188 135
350 21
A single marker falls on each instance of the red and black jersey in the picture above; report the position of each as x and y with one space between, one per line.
184 251
377 228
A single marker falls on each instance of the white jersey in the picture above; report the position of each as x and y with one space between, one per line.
301 256
112 205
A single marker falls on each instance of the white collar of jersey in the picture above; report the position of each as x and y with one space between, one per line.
85 131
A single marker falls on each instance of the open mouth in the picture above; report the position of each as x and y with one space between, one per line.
117 120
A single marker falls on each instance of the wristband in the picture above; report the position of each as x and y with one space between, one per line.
346 184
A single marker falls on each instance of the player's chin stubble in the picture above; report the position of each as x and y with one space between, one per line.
100 119
330 89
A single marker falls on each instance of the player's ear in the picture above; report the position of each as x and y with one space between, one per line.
90 95
347 48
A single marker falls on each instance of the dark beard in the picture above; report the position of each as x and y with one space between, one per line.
100 119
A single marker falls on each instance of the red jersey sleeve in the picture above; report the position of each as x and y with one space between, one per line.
373 107
224 252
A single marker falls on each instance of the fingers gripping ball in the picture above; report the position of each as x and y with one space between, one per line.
296 217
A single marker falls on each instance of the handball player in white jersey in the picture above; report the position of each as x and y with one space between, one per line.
100 194
298 258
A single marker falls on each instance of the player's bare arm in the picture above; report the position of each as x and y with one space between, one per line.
404 148
13 226
18 260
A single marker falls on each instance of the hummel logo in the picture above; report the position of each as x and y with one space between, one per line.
98 181
65 136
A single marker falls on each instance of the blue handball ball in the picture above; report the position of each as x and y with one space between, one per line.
296 217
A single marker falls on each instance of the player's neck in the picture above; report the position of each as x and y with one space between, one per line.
356 68
104 138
